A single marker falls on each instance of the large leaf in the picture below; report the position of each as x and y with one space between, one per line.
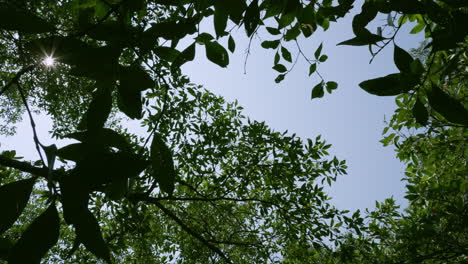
185 56
233 8
217 53
402 59
389 85
89 233
166 53
220 21
171 30
447 106
162 164
136 76
105 137
39 237
252 17
74 197
99 108
362 40
129 100
14 19
420 113
13 198
74 152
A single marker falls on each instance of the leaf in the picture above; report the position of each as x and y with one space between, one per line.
317 91
331 86
402 59
99 108
390 19
137 76
447 106
420 113
251 18
185 56
12 18
270 44
220 21
323 58
277 58
89 233
418 28
292 33
385 86
13 198
217 54
362 40
74 197
166 53
312 68
273 31
39 237
286 54
231 44
105 137
280 68
171 30
72 152
318 51
162 164
117 189
279 78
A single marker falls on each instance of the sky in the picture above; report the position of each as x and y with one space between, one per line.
349 119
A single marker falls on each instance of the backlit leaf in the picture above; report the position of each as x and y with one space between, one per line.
385 86
162 164
252 17
12 18
447 106
217 53
420 113
280 68
317 91
231 44
13 198
89 233
402 59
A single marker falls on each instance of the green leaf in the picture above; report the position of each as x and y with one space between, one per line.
204 38
286 54
220 21
12 18
185 56
251 18
231 44
385 86
166 53
318 51
312 68
277 58
292 33
331 86
362 40
270 44
317 91
162 164
217 53
418 28
402 59
89 233
74 197
171 30
280 68
279 78
447 106
420 113
72 152
39 237
99 108
136 76
273 31
323 58
13 198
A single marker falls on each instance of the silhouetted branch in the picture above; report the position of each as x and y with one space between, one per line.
16 78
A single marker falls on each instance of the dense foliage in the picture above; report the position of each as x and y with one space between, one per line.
207 184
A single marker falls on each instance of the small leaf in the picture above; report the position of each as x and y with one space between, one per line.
270 44
317 91
251 18
447 106
277 58
418 28
279 78
390 19
420 113
280 68
217 54
312 68
331 86
13 198
273 31
323 58
89 233
39 237
318 51
385 86
402 59
231 44
286 54
162 165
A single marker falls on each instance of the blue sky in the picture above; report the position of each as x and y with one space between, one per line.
350 119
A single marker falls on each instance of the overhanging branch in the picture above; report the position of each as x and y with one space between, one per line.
23 166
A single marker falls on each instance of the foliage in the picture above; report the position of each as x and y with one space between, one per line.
214 186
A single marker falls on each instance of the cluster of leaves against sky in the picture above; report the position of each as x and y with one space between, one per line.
213 186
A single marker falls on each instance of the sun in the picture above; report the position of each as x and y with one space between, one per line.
48 61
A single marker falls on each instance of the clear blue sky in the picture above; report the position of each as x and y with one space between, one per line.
350 119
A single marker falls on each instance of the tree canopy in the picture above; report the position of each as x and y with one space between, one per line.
206 184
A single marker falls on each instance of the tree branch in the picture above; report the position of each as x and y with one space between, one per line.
23 166
155 201
16 78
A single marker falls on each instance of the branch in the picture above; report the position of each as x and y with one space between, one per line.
23 166
155 201
16 78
